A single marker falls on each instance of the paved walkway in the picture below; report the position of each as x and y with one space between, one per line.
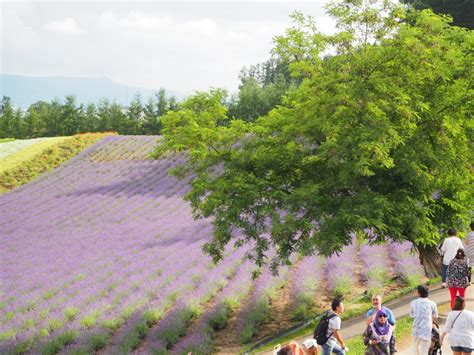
400 307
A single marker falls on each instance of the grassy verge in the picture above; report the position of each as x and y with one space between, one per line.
5 140
354 308
23 151
45 160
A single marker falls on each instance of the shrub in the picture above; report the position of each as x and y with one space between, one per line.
97 341
90 320
152 316
70 313
254 317
56 345
132 339
219 318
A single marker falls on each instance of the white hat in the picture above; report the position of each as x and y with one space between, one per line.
309 343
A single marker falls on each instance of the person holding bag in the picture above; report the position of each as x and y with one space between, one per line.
460 327
458 275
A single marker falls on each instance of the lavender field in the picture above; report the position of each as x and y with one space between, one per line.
102 254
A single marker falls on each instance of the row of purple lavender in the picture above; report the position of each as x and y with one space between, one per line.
103 252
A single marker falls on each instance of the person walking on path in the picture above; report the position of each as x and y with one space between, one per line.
424 312
378 337
470 247
458 275
449 249
377 306
460 327
334 330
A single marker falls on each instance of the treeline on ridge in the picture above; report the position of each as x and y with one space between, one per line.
261 88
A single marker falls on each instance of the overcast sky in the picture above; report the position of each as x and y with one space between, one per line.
181 46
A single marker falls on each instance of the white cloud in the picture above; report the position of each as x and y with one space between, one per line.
67 25
141 22
179 46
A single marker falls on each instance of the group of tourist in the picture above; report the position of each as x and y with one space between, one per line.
379 335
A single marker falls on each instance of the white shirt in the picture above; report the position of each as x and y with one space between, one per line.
462 332
423 311
334 324
449 248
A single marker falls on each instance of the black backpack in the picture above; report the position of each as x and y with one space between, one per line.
321 331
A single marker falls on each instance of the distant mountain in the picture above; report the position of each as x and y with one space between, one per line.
25 90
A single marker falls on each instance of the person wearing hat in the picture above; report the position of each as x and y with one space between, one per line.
378 337
310 347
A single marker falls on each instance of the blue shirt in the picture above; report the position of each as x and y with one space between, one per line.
390 316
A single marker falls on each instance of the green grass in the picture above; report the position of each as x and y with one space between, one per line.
5 140
28 164
28 153
402 331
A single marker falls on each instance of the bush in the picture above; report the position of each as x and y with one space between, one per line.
56 345
152 316
256 315
132 340
98 341
175 327
218 319
90 320
70 313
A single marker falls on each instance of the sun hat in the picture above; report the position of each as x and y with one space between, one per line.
309 343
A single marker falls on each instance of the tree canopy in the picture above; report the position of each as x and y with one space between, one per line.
377 139
462 11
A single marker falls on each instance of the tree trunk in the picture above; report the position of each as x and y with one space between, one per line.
430 260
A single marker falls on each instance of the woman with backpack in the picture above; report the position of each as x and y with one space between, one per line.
378 337
458 275
460 327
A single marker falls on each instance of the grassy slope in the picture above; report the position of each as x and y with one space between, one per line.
28 152
5 140
30 166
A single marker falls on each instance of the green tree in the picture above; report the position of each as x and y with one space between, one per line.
18 126
7 116
261 89
90 119
105 118
250 102
151 123
118 118
377 136
162 104
51 115
32 123
462 11
70 117
36 119
172 103
135 116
